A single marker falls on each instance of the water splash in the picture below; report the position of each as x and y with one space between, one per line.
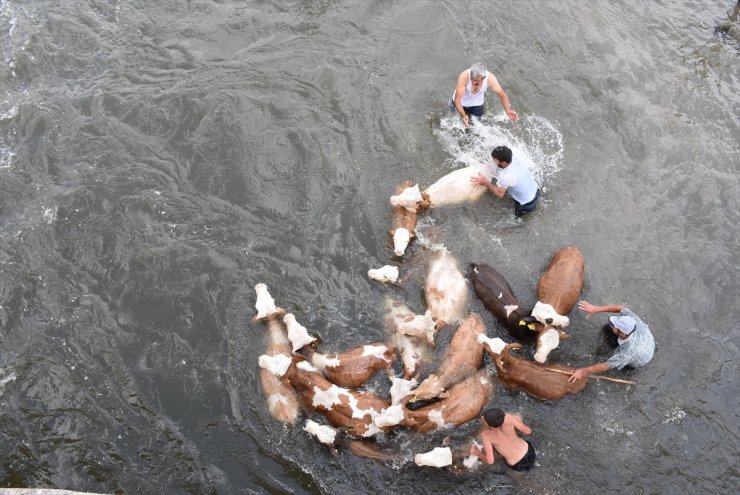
535 141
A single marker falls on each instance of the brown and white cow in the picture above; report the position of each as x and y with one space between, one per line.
282 400
446 290
414 351
352 410
405 215
533 378
463 358
354 367
464 402
558 291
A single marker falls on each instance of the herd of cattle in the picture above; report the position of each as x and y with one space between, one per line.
295 375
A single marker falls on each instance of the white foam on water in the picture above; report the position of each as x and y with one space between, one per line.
534 140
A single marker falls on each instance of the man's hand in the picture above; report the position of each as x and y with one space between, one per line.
466 121
479 180
588 308
512 115
577 375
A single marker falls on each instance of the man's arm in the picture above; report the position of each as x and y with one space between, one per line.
462 81
486 457
519 424
590 309
480 180
496 88
584 372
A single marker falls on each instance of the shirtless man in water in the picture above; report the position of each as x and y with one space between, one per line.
500 434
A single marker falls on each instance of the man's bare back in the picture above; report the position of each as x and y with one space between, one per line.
505 440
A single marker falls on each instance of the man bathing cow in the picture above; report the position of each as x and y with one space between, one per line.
513 177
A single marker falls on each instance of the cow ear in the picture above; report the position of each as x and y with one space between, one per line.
564 335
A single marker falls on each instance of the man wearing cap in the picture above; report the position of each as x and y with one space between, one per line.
634 342
513 177
470 93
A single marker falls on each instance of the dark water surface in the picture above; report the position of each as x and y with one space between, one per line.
158 159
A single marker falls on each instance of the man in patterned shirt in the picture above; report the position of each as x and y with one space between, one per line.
634 342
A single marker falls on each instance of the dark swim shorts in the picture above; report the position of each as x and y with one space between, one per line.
477 110
526 462
520 210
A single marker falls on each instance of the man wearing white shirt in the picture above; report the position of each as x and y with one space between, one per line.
514 178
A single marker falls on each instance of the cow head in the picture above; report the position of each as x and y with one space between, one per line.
430 388
401 239
547 341
546 314
408 198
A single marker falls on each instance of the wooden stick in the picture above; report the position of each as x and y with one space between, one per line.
598 377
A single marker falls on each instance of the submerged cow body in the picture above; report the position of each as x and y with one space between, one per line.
464 357
415 351
464 402
446 290
282 401
533 378
344 408
354 367
405 215
455 187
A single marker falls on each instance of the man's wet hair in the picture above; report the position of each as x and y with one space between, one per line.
502 154
494 417
477 71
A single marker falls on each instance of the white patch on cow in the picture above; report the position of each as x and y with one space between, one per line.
401 389
390 416
542 312
306 366
275 400
358 413
409 198
297 333
377 351
484 380
325 434
510 308
265 304
496 345
371 430
401 238
438 457
385 274
277 365
326 398
436 418
420 326
546 342
472 460
322 361
500 295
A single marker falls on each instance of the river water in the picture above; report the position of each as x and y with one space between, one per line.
158 159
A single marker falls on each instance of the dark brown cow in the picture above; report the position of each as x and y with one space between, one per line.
497 296
515 373
464 357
